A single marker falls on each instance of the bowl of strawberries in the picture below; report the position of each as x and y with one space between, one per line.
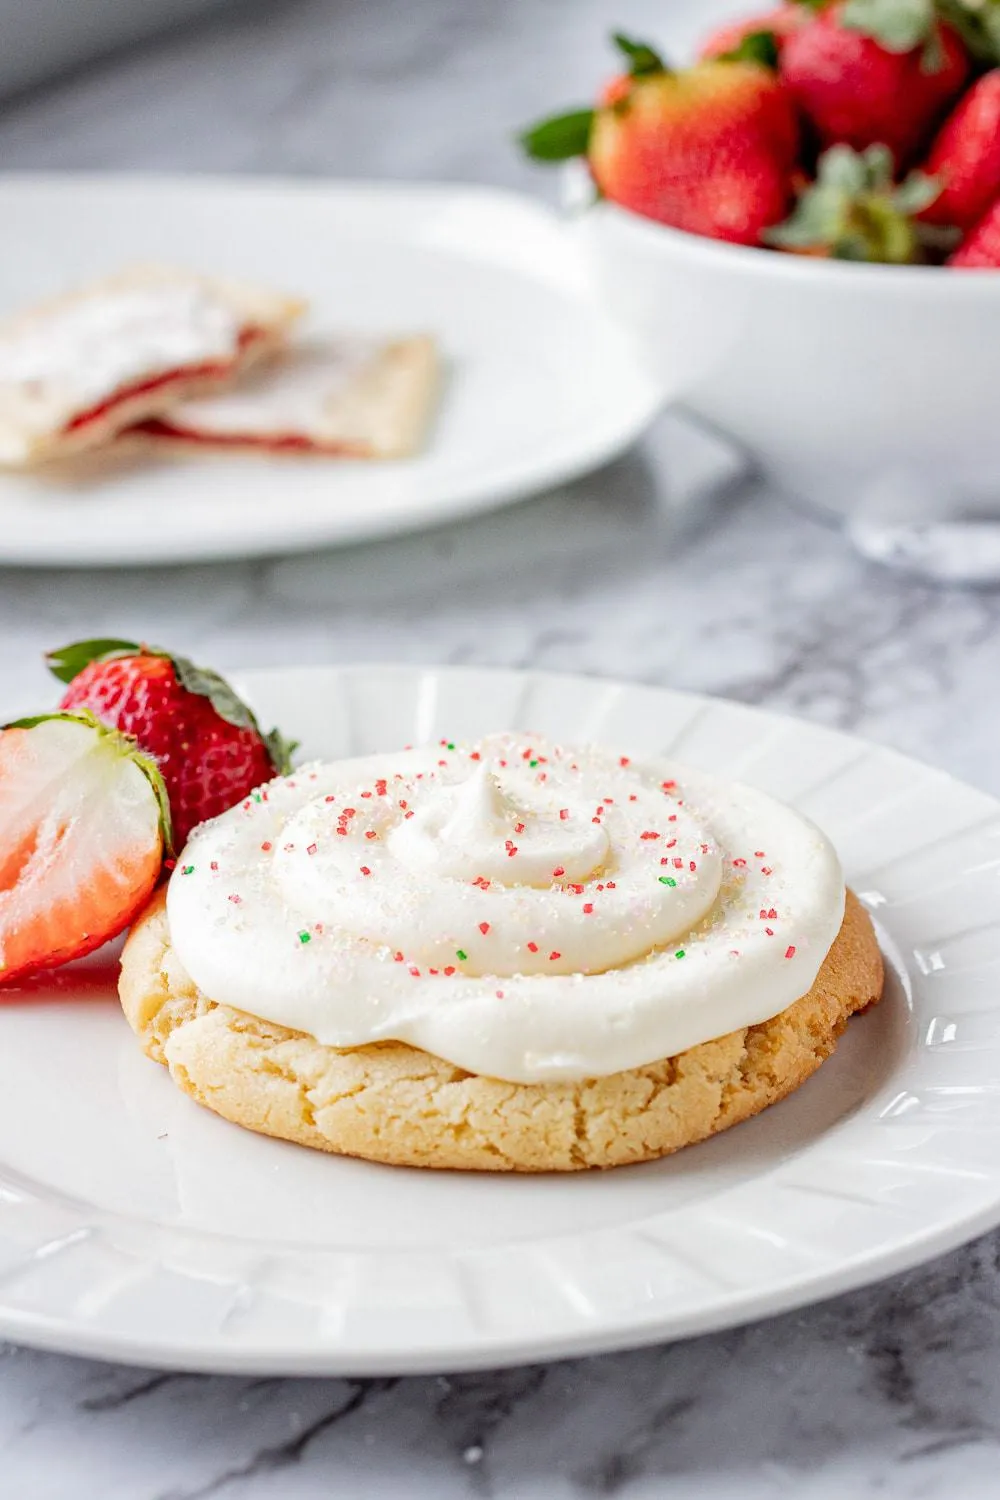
802 233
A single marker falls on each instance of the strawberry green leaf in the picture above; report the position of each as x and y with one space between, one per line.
854 210
977 23
281 751
67 662
559 138
917 193
205 683
897 25
230 706
756 47
643 60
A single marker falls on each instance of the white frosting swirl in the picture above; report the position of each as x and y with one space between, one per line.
523 910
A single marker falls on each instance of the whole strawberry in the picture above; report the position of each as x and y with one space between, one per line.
710 150
868 72
855 210
965 157
206 742
980 250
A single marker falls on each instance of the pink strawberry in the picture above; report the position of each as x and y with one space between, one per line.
980 250
966 157
872 74
83 831
205 740
710 150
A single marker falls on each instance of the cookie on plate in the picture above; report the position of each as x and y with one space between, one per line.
389 1102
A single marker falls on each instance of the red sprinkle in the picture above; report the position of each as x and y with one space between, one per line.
474 755
236 900
310 848
365 870
343 832
668 786
398 957
532 947
366 794
553 956
650 835
739 864
623 760
518 827
499 994
512 851
415 973
214 865
484 928
758 854
678 864
769 931
450 970
632 797
380 787
559 871
588 908
611 885
371 834
267 847
564 813
790 951
329 799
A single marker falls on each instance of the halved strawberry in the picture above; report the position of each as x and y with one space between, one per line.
84 827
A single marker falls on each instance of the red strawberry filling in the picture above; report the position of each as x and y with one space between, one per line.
277 442
214 370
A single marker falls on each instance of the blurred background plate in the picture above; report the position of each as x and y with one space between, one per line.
539 384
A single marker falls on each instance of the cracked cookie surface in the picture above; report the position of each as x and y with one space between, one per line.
391 1103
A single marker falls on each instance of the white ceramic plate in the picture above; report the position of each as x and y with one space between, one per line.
539 387
136 1226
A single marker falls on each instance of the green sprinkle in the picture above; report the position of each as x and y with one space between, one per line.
257 797
460 953
188 870
679 953
532 763
449 745
667 880
305 937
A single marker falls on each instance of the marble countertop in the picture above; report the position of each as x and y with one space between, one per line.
639 572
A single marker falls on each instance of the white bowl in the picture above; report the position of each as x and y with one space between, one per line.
865 389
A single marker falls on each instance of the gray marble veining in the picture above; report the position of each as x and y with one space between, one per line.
894 1391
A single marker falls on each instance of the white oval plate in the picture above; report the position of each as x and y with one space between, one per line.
136 1226
539 385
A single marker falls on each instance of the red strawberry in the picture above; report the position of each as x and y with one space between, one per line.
863 77
966 157
980 250
205 741
710 150
83 831
856 211
778 23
